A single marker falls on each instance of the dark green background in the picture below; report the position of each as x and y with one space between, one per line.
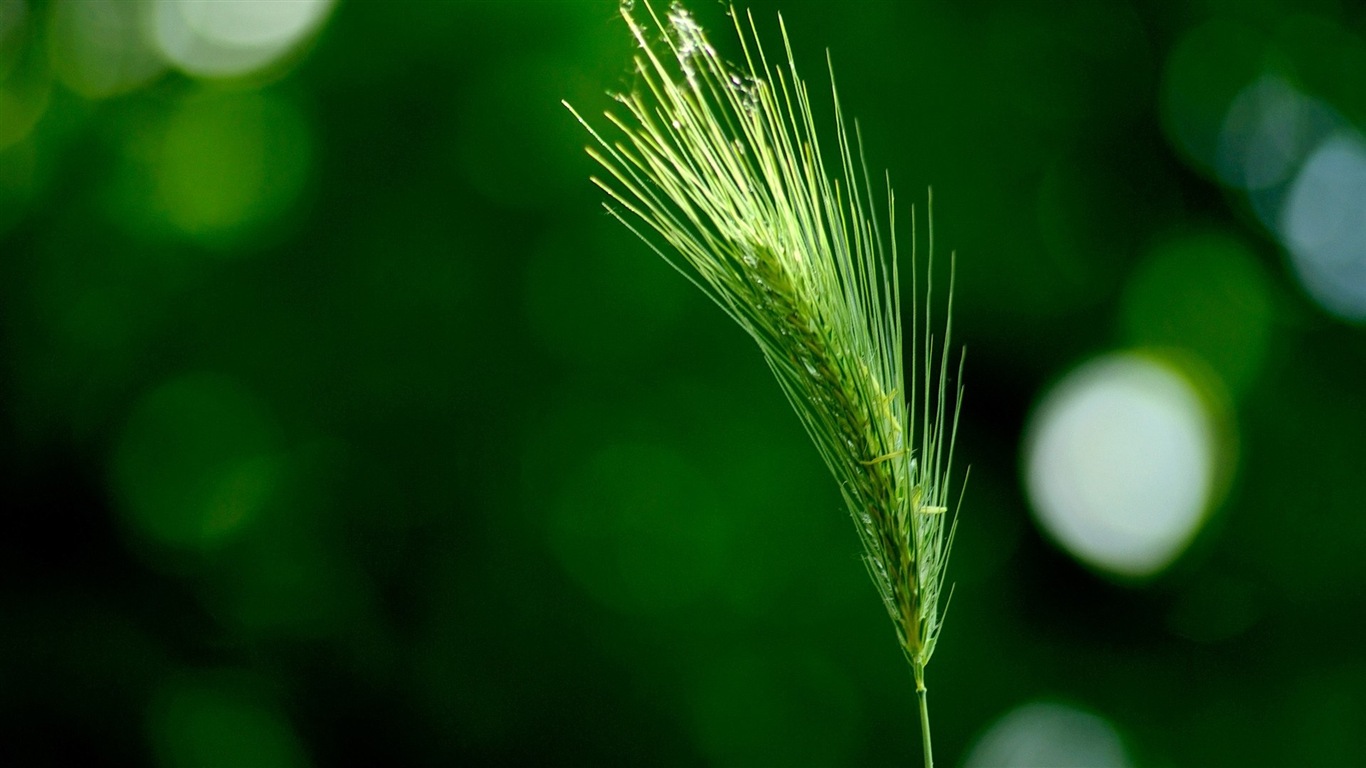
423 460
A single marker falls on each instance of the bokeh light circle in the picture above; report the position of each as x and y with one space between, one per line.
1323 224
1204 73
222 719
1121 463
197 461
228 163
1049 734
25 77
99 48
1208 293
1268 130
226 39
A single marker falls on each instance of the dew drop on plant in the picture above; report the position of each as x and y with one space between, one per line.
628 5
747 89
690 40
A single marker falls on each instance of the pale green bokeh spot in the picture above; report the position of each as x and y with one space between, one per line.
229 162
224 721
98 48
24 96
1205 293
641 530
1203 74
196 462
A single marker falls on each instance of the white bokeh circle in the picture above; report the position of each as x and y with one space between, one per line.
1121 459
1049 734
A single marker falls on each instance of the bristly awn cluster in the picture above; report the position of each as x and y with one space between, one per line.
718 168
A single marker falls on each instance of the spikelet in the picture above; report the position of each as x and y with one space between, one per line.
722 167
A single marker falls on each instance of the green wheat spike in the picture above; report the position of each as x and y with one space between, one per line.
723 164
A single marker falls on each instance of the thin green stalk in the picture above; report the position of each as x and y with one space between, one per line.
719 169
921 695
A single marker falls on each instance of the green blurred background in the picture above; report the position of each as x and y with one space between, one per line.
340 426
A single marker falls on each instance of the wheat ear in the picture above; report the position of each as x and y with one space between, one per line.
723 164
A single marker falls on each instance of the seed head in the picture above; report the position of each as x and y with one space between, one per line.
719 169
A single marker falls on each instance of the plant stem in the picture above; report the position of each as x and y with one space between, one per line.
920 694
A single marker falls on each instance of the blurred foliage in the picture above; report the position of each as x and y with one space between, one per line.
340 426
